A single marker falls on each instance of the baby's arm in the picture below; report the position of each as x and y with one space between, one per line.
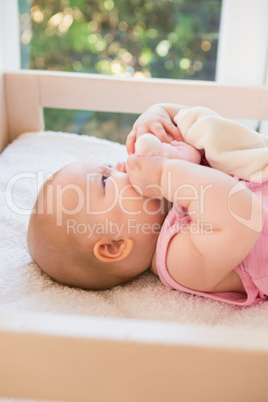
158 120
225 218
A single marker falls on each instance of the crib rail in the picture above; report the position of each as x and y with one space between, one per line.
97 359
28 92
76 358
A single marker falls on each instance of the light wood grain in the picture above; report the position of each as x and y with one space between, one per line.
3 121
106 360
30 91
86 359
24 111
94 92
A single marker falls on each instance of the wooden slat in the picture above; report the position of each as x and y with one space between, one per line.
69 365
28 91
3 121
24 111
69 369
103 93
93 359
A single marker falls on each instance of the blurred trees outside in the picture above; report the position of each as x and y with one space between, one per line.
135 38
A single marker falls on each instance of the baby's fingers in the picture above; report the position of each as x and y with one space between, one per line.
155 128
133 163
173 131
130 142
134 134
159 131
145 173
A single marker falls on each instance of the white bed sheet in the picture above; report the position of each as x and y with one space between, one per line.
24 165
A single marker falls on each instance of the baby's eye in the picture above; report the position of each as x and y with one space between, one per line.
104 179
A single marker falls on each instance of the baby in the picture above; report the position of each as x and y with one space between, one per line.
118 222
207 244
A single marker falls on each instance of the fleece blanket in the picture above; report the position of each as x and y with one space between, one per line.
228 146
24 165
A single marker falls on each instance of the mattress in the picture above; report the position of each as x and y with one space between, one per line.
24 165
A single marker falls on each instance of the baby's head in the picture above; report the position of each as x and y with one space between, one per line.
91 229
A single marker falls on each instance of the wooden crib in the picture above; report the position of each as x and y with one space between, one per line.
77 358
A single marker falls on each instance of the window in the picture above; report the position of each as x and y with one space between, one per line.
139 38
152 38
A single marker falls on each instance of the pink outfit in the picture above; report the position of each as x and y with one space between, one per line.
253 270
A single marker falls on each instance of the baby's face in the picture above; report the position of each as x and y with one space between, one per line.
101 200
85 209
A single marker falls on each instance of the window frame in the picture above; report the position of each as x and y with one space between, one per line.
243 70
231 37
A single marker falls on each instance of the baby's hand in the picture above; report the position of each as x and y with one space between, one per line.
145 174
149 145
154 120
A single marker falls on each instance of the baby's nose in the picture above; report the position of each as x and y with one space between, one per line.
121 167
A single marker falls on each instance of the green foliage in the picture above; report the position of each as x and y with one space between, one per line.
145 38
150 37
111 126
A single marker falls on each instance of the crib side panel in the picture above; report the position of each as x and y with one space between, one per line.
115 94
27 92
24 110
9 56
66 368
3 122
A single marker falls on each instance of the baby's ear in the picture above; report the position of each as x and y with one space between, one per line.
107 250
